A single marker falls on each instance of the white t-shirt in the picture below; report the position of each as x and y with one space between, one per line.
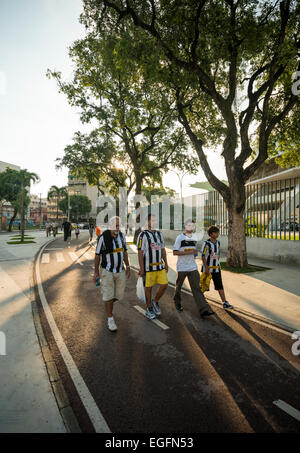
186 263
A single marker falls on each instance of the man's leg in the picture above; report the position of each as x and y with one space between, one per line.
194 280
222 295
148 292
109 307
160 292
179 282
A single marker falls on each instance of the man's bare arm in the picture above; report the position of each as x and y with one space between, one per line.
187 252
97 264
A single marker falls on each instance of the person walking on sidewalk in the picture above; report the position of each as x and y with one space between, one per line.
77 231
91 231
153 265
185 248
112 247
210 251
67 226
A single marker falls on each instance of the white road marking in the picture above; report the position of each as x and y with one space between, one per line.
45 258
156 321
74 257
88 255
60 257
88 401
50 250
288 409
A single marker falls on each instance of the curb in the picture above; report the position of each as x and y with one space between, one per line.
68 416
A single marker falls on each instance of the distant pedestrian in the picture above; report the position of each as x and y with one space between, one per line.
112 247
153 265
54 229
210 251
48 229
185 248
67 226
91 231
77 231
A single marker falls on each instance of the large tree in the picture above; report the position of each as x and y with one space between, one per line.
136 125
57 194
14 186
81 206
230 65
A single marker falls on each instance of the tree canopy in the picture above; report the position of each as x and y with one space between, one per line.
137 124
80 205
229 64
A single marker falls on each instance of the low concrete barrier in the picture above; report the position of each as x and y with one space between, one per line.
281 251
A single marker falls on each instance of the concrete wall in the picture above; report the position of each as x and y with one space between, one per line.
282 251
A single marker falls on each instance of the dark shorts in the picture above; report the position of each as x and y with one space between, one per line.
217 278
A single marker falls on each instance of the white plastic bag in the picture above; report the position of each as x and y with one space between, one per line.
140 290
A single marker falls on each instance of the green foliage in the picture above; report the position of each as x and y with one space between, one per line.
12 183
137 123
158 192
228 63
80 205
56 193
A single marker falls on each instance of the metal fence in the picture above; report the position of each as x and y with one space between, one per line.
271 211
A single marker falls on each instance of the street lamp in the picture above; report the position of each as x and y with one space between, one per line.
180 177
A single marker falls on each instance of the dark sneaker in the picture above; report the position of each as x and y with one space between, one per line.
150 313
156 308
207 313
227 306
178 306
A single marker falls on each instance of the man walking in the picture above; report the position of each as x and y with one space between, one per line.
211 262
153 265
91 231
112 246
185 248
67 226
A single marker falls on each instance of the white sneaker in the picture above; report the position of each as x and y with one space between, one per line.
111 325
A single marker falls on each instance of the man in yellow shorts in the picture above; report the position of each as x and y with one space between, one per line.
153 265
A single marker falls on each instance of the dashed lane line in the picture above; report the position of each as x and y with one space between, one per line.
288 409
74 257
46 258
88 401
60 257
155 321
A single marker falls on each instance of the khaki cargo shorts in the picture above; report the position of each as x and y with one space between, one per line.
112 284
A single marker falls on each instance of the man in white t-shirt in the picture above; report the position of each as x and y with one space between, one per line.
185 248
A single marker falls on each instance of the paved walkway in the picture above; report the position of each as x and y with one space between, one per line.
27 403
272 294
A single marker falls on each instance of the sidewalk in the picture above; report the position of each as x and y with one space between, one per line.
272 294
27 403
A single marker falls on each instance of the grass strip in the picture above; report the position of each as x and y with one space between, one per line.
19 242
243 270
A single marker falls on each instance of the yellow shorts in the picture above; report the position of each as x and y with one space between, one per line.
156 278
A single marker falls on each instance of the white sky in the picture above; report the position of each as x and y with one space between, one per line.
36 122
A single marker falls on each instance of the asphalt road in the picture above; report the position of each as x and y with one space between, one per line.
221 374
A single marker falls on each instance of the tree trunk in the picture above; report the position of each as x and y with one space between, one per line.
22 214
236 254
138 191
12 219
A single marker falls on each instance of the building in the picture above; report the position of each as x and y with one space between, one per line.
273 200
79 186
272 203
53 213
38 209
